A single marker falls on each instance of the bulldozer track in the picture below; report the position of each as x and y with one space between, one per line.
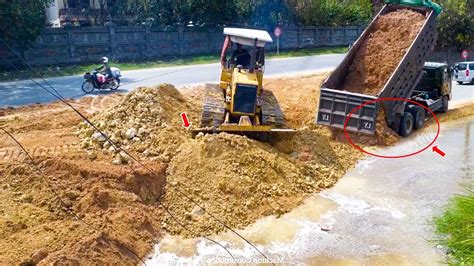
272 114
213 108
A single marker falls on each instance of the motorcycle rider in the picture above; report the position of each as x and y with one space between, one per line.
105 68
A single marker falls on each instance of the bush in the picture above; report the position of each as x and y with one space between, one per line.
457 223
456 23
333 12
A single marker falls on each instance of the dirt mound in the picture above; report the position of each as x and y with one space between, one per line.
146 121
245 179
240 175
231 169
236 178
384 135
382 51
109 198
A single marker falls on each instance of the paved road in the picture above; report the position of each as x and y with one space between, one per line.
18 93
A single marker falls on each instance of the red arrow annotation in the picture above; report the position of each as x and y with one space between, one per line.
440 152
186 123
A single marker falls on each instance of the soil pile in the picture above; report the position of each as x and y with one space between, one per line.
240 180
234 177
34 228
234 170
146 121
382 51
384 135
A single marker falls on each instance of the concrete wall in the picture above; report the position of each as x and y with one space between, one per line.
80 45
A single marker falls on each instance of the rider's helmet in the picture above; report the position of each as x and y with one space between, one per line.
104 60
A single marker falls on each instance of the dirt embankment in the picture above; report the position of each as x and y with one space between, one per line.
34 228
234 171
235 178
382 51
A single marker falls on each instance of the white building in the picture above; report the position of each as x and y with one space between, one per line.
54 13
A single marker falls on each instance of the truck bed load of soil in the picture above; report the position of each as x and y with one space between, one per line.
382 51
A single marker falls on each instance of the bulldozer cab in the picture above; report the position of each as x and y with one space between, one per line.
253 43
239 104
243 49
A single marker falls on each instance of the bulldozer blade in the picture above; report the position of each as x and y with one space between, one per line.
261 135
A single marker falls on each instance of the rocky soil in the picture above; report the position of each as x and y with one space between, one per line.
234 177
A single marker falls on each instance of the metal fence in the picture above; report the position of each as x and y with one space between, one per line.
80 45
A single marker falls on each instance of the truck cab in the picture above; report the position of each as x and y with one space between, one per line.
432 91
435 87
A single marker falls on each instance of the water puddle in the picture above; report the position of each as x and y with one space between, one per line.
379 213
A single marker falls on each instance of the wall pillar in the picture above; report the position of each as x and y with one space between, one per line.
181 39
148 41
70 43
113 43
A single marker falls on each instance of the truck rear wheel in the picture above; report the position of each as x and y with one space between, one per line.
420 116
445 104
406 125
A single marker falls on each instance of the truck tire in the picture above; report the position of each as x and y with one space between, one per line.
420 116
460 82
445 105
406 125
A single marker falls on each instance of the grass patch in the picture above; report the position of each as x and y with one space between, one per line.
457 224
68 70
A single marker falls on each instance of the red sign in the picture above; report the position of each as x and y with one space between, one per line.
465 54
277 32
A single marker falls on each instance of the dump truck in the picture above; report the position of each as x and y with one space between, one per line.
335 104
239 103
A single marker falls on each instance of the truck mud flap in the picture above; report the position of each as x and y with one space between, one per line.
335 106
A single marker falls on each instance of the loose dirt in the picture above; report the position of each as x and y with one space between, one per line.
35 227
236 178
382 51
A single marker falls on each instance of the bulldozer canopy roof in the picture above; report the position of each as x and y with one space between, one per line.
248 36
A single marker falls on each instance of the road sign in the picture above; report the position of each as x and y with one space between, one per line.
465 54
277 31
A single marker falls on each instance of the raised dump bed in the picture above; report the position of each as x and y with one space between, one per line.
341 92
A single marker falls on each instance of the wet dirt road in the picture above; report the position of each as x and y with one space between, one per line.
379 213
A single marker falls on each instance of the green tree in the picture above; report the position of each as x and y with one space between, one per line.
333 12
456 23
21 21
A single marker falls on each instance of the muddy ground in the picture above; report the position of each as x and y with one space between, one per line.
235 178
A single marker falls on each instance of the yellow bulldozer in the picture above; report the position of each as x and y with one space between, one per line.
239 104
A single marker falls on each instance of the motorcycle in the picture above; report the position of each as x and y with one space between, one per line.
96 80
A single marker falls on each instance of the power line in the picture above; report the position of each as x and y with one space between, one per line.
56 194
119 149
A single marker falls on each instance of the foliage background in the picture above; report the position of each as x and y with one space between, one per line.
21 21
456 23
